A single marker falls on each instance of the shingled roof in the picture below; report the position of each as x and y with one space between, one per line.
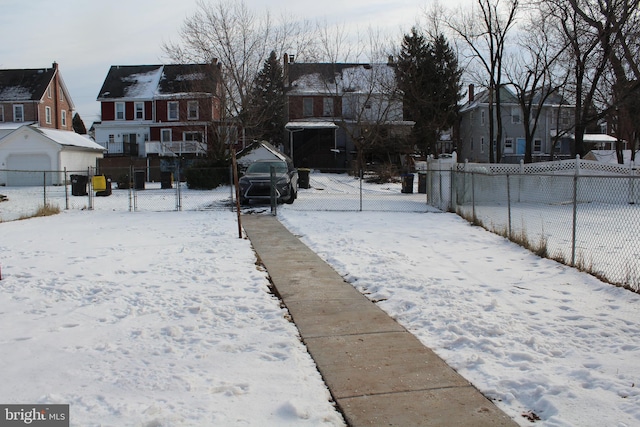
24 84
149 81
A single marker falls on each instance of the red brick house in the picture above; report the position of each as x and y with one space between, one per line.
39 96
159 110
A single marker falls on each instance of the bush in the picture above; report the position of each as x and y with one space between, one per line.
207 175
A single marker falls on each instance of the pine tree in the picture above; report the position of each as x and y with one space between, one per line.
78 125
268 103
429 77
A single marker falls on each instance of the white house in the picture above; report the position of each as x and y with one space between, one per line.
39 150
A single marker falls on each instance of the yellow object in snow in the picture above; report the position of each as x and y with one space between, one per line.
99 183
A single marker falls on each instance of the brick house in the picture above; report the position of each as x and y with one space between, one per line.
35 96
332 105
159 110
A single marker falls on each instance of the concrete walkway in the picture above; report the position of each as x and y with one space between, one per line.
377 372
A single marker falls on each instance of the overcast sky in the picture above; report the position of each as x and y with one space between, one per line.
86 37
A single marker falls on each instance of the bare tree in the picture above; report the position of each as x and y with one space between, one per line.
240 40
537 75
485 31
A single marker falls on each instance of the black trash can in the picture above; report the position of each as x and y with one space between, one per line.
422 182
107 190
166 180
303 178
138 180
79 185
407 183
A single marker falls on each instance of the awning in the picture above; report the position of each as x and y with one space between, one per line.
311 125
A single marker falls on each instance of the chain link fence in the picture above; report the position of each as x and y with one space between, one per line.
581 213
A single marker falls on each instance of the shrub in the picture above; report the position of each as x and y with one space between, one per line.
207 175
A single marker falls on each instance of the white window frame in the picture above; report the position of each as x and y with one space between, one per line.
307 107
139 110
537 142
508 146
117 107
63 118
193 113
49 91
173 107
61 96
47 115
16 108
164 132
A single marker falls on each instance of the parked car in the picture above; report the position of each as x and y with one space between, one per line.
255 184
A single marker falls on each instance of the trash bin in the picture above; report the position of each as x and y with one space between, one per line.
422 182
79 185
138 180
407 183
303 178
107 188
166 180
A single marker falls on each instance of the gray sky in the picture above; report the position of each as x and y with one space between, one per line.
86 37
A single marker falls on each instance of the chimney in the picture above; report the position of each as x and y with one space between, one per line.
472 94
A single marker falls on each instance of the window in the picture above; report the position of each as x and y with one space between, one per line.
192 110
61 96
307 107
471 144
537 145
192 136
508 146
327 107
18 113
482 117
482 144
63 118
515 115
119 110
49 92
172 110
564 117
47 115
472 117
112 139
1 113
165 135
139 108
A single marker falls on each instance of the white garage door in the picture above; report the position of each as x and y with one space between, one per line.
19 163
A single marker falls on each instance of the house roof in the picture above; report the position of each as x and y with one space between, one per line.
64 138
151 81
339 78
508 98
24 84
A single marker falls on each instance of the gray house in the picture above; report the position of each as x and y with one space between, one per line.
552 138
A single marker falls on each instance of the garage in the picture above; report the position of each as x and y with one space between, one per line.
33 156
18 164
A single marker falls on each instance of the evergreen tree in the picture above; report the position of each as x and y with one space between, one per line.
429 78
267 104
78 125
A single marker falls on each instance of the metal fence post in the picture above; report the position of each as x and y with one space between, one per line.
66 190
575 215
274 200
473 196
509 206
361 178
44 188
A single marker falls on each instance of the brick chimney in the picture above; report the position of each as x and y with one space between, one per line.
472 94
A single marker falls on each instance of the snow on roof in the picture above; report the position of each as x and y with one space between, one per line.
307 78
69 138
311 125
142 85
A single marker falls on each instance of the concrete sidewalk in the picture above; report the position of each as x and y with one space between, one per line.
378 373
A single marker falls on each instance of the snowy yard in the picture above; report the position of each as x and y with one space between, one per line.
163 318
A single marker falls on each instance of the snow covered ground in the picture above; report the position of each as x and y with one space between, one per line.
163 319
